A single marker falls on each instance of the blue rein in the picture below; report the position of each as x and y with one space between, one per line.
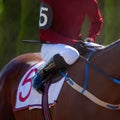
86 73
96 68
99 70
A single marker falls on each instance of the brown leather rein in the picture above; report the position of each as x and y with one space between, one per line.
45 105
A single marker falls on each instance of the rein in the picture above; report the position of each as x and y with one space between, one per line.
86 93
98 69
45 105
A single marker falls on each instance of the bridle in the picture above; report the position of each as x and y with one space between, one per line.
85 92
88 63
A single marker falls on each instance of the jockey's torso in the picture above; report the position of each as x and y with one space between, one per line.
67 19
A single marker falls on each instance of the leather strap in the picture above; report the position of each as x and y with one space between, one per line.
45 105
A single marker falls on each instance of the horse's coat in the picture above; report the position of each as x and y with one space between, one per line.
71 105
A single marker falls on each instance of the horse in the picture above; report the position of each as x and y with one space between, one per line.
71 104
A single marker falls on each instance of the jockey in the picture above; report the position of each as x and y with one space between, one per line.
60 26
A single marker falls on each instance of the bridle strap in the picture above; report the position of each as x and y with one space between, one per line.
83 90
86 72
99 70
89 95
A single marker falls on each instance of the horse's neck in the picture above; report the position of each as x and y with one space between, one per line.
108 59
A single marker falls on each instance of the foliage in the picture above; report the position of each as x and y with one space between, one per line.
9 29
29 29
18 21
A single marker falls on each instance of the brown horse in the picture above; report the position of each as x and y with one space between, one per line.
71 105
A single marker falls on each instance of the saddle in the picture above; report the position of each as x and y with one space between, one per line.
86 47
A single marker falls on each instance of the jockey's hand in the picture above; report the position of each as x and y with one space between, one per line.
89 39
80 46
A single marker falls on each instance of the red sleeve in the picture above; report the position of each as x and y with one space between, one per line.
96 19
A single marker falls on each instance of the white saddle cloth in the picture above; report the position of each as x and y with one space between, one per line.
28 97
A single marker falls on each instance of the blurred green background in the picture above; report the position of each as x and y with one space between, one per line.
19 21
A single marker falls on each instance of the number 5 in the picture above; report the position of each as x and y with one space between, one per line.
46 16
43 16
